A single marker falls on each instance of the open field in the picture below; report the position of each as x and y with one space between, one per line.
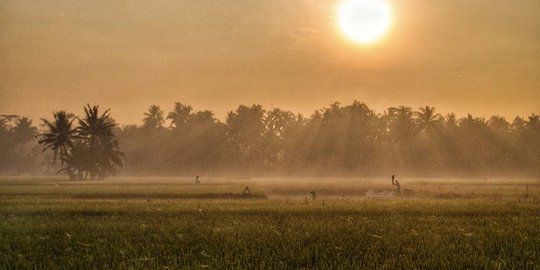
164 224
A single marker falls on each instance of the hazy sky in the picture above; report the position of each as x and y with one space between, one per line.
478 56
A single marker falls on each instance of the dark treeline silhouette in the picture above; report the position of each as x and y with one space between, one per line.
340 140
337 140
18 150
89 150
85 147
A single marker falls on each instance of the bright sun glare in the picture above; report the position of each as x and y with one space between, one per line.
364 21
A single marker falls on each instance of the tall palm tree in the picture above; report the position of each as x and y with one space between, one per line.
153 118
59 136
499 124
401 123
470 122
451 121
401 113
77 162
427 119
96 129
94 126
24 131
110 156
180 114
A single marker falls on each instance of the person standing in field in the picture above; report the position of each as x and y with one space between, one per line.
396 183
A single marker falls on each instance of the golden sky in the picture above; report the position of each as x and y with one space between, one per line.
477 56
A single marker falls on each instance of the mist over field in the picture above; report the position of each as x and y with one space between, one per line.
269 134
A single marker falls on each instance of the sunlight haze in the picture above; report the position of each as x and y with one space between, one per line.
481 57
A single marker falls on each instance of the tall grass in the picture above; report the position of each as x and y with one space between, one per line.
51 231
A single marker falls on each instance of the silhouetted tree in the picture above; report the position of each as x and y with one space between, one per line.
427 119
23 131
337 139
245 128
96 131
153 118
59 135
180 115
91 149
451 121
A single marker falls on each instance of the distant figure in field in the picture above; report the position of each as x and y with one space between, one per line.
246 191
197 180
313 194
396 183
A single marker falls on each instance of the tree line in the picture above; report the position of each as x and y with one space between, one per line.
339 139
85 147
335 140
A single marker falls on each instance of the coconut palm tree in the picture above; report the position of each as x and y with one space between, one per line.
450 121
401 123
427 119
110 157
153 118
23 131
90 149
96 130
180 115
59 135
77 162
499 124
94 126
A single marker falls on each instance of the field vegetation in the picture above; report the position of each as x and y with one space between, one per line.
161 223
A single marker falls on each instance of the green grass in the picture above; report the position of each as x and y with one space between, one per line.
157 225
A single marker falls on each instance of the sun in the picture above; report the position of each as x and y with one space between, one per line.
364 21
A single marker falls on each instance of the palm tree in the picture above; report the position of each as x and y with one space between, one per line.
153 118
96 130
451 121
499 124
91 148
24 131
471 123
401 123
110 156
180 114
59 136
427 119
95 126
77 162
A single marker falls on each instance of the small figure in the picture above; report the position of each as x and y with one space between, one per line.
246 191
398 188
197 180
313 195
396 183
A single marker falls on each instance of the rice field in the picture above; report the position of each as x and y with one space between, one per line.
163 223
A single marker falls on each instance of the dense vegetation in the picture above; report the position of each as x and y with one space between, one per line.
88 150
337 140
451 224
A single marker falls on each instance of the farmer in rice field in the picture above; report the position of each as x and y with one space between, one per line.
246 191
197 180
396 183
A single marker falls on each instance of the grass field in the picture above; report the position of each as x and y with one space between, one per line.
164 224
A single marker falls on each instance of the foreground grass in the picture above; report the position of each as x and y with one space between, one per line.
57 232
